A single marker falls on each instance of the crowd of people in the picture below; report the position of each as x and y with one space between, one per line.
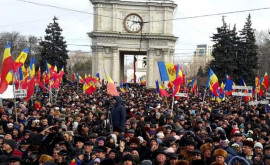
136 128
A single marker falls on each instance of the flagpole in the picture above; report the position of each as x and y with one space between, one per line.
77 86
13 84
172 103
203 98
50 92
256 92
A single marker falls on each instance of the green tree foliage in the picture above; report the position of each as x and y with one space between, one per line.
235 55
200 72
247 59
224 51
54 47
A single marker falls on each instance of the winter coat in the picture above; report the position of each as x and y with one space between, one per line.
238 159
119 114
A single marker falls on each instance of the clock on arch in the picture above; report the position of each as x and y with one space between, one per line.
133 23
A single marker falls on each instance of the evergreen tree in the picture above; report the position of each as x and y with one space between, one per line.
224 51
54 47
247 59
200 72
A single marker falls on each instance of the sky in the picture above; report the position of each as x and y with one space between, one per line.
31 19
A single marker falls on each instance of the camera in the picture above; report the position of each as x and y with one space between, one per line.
32 157
107 104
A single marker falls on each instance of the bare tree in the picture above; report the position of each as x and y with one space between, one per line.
18 43
263 42
80 62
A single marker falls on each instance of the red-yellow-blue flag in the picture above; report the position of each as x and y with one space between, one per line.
111 88
265 81
7 65
21 59
212 82
160 90
121 87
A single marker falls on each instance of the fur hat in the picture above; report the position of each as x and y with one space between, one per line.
220 152
46 158
205 147
57 113
248 143
134 140
182 162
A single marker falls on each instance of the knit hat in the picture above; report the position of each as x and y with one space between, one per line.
248 143
223 144
258 144
169 150
220 152
11 143
16 155
97 160
160 135
191 142
127 157
146 162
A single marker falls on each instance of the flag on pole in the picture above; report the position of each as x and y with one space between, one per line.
7 65
212 82
122 90
111 88
265 81
228 83
21 59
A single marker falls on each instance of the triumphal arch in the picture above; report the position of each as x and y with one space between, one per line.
135 27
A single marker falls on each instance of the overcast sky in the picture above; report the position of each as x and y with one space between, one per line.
31 19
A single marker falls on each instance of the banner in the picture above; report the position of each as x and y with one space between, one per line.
8 94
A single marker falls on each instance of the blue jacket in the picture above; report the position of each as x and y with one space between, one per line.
119 114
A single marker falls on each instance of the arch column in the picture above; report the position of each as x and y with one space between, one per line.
150 80
116 65
99 61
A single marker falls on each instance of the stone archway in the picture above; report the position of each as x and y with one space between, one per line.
112 35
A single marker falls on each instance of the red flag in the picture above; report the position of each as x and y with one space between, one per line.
7 65
111 88
30 88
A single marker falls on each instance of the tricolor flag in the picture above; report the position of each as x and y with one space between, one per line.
265 81
122 90
21 59
212 82
160 90
111 88
7 65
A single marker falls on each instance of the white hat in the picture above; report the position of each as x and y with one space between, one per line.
169 150
97 160
10 124
258 144
160 135
141 139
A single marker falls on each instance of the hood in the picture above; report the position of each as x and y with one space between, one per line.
118 100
